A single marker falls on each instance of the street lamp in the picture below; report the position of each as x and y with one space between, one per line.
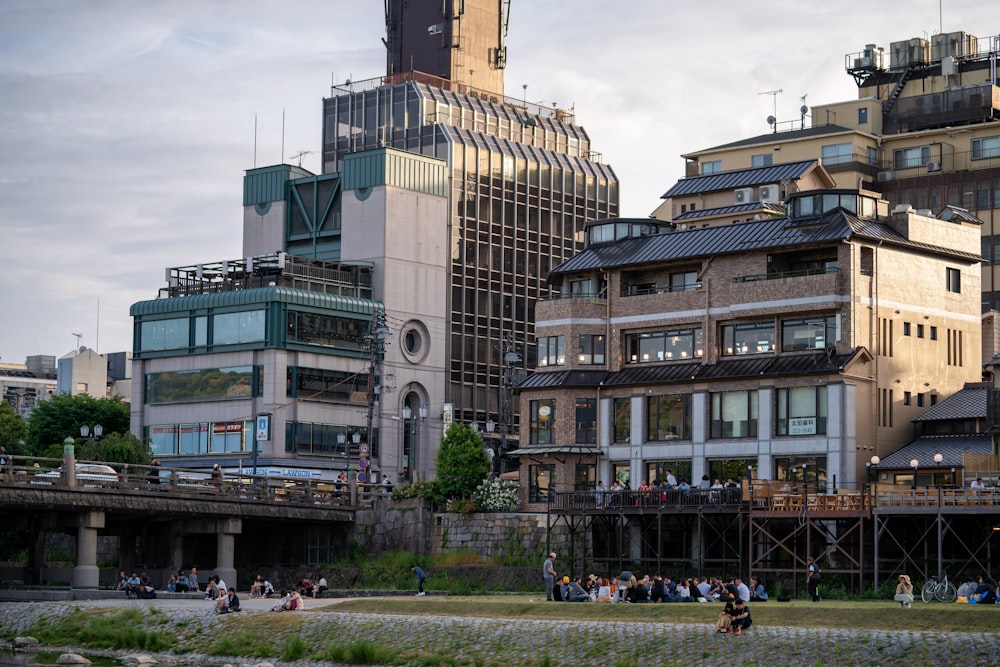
938 458
92 435
915 464
873 468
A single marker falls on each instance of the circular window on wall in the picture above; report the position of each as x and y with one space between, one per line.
415 341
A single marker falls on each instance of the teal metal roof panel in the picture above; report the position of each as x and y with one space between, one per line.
260 296
267 184
401 169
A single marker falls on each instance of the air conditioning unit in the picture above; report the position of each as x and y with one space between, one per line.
884 176
744 195
933 166
770 193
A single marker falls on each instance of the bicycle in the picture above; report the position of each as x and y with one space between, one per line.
941 590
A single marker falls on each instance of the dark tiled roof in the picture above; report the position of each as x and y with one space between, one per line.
773 137
950 447
743 237
740 178
767 207
967 403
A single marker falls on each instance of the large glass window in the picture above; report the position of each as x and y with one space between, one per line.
228 436
730 469
734 414
163 439
837 154
325 439
747 338
540 482
164 334
762 160
905 158
543 418
326 330
799 469
235 328
801 410
669 345
682 281
985 148
623 420
586 477
586 421
657 471
668 417
317 384
193 438
551 351
811 333
209 384
591 349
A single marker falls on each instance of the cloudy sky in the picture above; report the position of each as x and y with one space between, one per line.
125 126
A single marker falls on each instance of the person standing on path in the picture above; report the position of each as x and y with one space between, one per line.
549 572
813 579
421 576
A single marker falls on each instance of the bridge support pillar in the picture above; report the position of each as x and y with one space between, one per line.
225 541
86 573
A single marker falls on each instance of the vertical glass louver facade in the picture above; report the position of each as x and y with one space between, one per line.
524 183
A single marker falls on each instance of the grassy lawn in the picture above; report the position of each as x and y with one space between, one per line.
884 615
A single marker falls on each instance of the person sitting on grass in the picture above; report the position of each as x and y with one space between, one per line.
904 592
725 618
228 604
576 592
757 591
741 617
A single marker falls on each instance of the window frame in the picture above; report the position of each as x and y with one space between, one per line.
718 408
586 421
542 422
551 351
587 350
991 150
537 493
711 167
728 337
836 154
953 280
911 157
664 405
622 415
828 324
789 400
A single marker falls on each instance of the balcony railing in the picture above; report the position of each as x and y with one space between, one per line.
639 289
775 275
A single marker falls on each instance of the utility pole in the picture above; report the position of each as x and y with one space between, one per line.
509 359
375 343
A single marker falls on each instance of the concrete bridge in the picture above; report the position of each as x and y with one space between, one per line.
169 519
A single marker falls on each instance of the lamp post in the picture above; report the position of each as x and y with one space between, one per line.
411 428
92 435
915 464
938 458
873 469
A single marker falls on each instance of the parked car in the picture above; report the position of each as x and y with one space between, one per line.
92 474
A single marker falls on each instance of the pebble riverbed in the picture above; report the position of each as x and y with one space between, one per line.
527 643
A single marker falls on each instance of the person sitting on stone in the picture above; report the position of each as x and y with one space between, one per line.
741 617
228 604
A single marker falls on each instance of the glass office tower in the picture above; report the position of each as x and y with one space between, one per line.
524 181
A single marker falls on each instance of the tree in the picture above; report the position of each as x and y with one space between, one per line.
462 463
53 420
13 430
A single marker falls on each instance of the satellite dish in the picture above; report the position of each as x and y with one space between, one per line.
803 110
771 120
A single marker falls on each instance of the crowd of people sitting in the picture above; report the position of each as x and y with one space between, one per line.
627 588
976 591
668 491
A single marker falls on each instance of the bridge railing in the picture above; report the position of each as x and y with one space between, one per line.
41 472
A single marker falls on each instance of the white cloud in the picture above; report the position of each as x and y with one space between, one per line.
127 126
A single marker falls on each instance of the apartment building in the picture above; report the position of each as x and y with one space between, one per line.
923 131
783 348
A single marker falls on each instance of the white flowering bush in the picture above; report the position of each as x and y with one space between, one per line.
492 495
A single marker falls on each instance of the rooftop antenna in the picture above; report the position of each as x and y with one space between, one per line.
283 135
773 119
78 337
300 154
803 110
255 140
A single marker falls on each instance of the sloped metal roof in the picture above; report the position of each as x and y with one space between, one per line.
542 450
742 237
950 447
667 373
969 402
260 295
740 178
772 137
765 206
